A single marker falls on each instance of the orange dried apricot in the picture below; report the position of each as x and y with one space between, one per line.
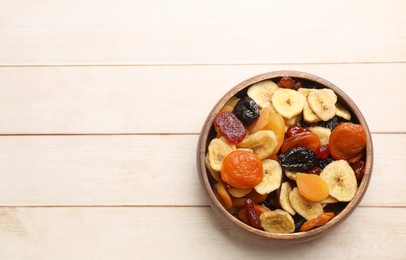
305 139
261 122
312 187
277 125
242 169
347 141
317 222
225 198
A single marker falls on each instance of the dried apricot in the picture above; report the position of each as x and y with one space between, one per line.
242 169
277 125
312 187
347 141
261 122
305 139
317 222
225 198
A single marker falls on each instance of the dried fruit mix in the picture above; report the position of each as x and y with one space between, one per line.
285 155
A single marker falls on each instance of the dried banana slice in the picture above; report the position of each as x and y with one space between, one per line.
262 92
290 174
304 207
216 175
218 150
322 132
342 112
239 192
287 102
286 189
308 115
272 177
340 179
322 104
277 221
263 143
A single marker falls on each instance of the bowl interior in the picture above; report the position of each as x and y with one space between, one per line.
208 133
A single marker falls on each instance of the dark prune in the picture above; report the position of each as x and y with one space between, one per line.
325 162
298 159
332 123
230 126
269 202
246 110
299 221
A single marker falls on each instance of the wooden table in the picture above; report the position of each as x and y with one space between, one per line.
102 103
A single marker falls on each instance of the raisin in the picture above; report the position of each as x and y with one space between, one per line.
246 110
286 82
252 215
231 127
325 162
298 159
359 169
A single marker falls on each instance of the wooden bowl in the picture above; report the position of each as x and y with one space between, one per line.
206 180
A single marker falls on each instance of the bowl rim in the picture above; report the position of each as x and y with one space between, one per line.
304 236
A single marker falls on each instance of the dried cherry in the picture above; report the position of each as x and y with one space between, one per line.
322 152
359 169
246 110
315 170
252 215
294 130
298 159
286 82
231 127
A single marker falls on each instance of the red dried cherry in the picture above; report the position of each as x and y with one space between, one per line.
295 129
252 215
286 82
323 152
230 126
359 169
315 170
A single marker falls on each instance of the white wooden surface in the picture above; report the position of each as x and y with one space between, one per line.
101 103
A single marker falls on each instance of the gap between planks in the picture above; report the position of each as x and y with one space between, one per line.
197 64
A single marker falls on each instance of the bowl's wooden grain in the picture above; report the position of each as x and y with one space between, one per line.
207 134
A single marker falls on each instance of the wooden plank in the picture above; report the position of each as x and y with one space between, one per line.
211 32
172 99
182 233
142 170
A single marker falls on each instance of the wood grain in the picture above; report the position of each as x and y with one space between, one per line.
211 32
144 233
170 99
143 170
